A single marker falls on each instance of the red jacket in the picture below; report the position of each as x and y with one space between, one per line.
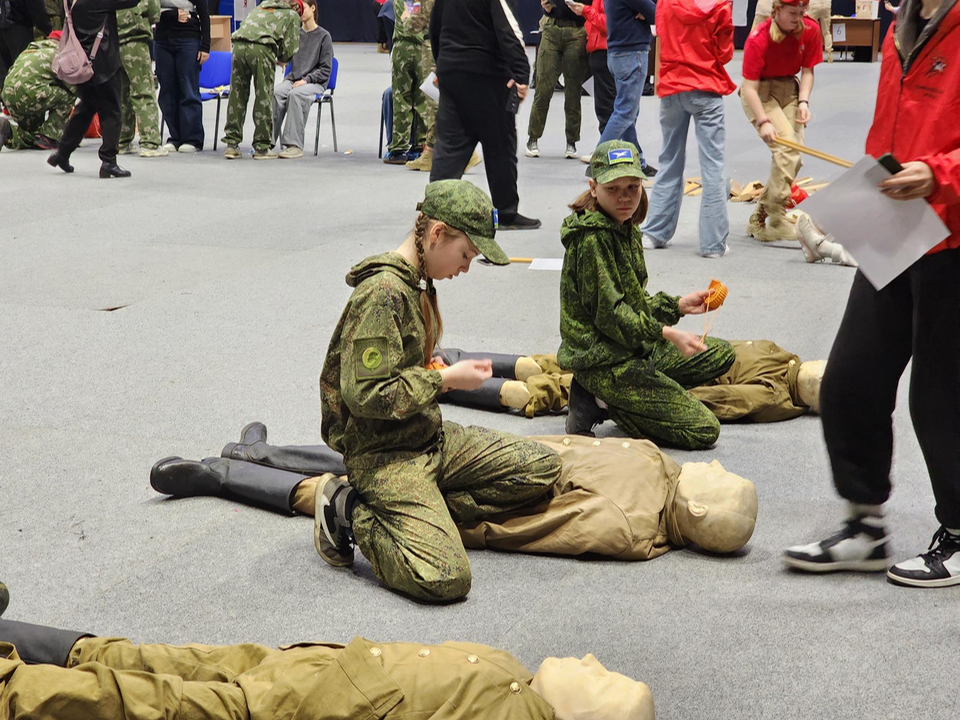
596 26
916 115
696 41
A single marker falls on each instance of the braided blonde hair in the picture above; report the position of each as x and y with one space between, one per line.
433 323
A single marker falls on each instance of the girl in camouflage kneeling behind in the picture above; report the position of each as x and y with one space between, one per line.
411 474
628 362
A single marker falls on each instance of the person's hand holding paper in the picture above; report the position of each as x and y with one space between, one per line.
914 181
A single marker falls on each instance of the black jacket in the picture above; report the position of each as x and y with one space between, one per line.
31 13
88 17
480 36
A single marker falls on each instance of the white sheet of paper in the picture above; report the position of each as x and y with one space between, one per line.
555 264
740 13
885 236
588 86
429 89
839 32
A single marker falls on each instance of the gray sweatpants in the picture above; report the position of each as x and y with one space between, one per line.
294 105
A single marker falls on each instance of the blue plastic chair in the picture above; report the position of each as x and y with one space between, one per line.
215 83
327 97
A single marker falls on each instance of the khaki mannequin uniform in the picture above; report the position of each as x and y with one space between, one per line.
111 678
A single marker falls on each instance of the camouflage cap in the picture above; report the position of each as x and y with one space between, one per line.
465 207
615 159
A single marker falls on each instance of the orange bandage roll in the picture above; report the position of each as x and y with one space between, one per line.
436 364
718 293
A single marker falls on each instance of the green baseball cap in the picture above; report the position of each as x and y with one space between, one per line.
615 159
467 208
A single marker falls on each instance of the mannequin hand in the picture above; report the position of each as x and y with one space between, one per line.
466 374
768 133
914 181
576 8
687 343
202 57
803 113
695 303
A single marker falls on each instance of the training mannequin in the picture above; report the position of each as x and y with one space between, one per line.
619 498
74 675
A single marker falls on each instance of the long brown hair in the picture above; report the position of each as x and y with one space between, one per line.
433 323
586 201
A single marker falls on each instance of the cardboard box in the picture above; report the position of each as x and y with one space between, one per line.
220 33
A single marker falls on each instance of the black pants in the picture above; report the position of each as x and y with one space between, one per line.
13 41
96 98
473 110
604 87
917 315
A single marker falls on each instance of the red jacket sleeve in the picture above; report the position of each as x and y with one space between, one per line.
946 171
723 33
596 17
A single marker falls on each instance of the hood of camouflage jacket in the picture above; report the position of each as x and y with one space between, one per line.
391 262
576 223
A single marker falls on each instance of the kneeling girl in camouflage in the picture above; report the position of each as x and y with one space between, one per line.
411 474
627 359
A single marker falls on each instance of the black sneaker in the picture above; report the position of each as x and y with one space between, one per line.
518 222
583 413
649 170
938 567
395 157
332 535
860 545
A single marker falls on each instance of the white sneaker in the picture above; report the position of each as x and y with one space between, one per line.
715 255
649 244
860 545
571 152
532 150
187 148
818 246
938 567
585 159
169 147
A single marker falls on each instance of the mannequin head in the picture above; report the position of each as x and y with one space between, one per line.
808 383
585 690
714 508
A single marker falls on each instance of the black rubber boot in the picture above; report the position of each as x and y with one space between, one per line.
504 366
313 460
58 160
4 598
38 644
583 413
255 484
486 397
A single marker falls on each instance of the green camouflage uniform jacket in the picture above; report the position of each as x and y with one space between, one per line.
32 69
136 23
606 313
274 24
414 27
378 402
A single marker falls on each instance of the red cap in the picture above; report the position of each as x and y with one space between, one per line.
55 35
795 3
300 5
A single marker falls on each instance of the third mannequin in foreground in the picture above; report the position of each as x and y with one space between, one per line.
915 317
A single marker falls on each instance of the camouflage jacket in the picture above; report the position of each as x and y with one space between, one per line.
413 19
377 400
606 313
274 24
137 23
32 69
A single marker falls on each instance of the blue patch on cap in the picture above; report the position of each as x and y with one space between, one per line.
496 220
623 155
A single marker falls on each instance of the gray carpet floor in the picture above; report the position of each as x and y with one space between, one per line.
229 280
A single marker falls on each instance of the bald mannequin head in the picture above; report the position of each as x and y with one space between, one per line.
585 690
714 508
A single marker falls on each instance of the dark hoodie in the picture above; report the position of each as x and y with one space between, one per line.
606 313
377 400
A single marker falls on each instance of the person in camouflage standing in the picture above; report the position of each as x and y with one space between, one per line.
36 98
616 337
137 97
267 36
411 474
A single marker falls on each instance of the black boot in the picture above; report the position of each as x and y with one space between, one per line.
59 160
112 170
313 460
260 485
582 411
4 598
38 644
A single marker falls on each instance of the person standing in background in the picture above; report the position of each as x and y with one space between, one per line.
137 98
16 30
563 48
181 46
604 85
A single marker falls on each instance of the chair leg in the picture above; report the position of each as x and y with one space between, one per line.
216 126
316 139
333 124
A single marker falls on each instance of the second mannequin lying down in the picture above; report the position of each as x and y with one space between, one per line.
619 498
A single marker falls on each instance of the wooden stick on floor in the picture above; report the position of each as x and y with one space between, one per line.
815 153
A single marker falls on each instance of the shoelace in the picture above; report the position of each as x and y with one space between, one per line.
945 542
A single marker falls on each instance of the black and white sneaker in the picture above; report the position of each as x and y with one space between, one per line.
938 567
860 545
332 532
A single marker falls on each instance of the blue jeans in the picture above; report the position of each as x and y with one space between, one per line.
179 74
629 69
706 109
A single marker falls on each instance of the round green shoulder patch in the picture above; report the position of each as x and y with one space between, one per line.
372 358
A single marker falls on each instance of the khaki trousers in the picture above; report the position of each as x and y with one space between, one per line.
779 99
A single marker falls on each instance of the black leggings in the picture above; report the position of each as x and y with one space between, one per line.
916 316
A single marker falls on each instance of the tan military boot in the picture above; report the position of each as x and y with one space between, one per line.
424 162
232 153
267 154
770 228
526 367
291 152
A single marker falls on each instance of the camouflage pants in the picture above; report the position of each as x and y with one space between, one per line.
562 49
405 522
138 101
40 110
648 396
412 63
251 61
